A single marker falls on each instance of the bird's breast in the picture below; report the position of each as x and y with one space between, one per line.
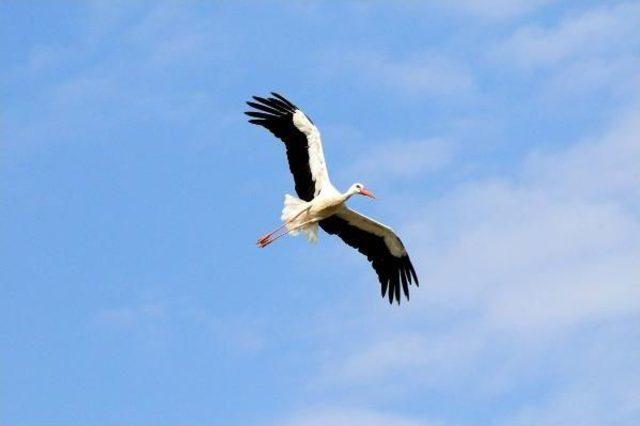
324 207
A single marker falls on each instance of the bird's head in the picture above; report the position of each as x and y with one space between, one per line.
358 188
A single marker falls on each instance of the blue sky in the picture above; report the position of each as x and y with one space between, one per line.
502 138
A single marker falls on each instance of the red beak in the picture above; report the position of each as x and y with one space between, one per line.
367 193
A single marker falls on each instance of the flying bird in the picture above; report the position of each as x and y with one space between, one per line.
321 204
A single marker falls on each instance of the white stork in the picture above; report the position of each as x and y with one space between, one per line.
320 203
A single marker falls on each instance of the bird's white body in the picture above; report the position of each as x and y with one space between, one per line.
303 216
320 204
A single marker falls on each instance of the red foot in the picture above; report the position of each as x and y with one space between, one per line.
264 241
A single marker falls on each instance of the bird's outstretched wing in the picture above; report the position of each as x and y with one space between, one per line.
380 244
301 138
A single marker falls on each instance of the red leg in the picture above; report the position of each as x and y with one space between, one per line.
268 239
264 240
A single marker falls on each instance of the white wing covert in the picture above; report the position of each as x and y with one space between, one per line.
301 138
380 244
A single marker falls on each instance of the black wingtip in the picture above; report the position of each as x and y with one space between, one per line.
258 114
273 105
413 272
405 283
395 279
283 99
383 286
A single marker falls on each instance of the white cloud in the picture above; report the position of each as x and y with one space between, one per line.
583 406
104 89
495 9
424 74
552 248
510 266
398 362
155 322
604 387
353 417
603 77
130 317
606 31
239 334
597 169
486 10
402 160
146 323
516 271
171 33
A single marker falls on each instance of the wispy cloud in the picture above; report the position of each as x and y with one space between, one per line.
400 362
495 9
403 159
156 322
555 233
526 273
483 10
425 74
597 169
239 334
606 31
116 85
130 317
529 305
332 416
530 259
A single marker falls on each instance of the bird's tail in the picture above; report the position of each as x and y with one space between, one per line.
291 214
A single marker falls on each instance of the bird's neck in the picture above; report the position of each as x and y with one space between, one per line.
347 195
